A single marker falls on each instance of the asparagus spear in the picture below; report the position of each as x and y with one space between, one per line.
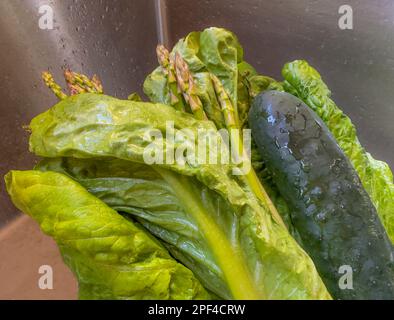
51 84
230 117
188 87
226 105
167 63
79 83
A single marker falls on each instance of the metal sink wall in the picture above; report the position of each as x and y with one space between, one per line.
117 39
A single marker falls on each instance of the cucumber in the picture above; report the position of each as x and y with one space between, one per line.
330 209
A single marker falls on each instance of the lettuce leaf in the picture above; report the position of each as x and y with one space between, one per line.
257 259
305 82
112 257
139 190
217 51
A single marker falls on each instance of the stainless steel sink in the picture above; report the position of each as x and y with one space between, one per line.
117 39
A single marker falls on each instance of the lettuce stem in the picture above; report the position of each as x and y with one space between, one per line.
230 114
229 258
261 194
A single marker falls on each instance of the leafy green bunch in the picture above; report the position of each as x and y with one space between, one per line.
129 230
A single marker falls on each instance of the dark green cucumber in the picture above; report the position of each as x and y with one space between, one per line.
330 209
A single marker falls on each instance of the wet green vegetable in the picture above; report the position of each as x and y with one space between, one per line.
232 228
217 53
330 209
112 257
224 230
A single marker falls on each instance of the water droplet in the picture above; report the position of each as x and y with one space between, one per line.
305 166
316 192
321 217
336 166
271 119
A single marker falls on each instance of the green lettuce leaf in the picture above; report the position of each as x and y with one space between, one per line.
139 190
258 259
112 257
305 82
217 51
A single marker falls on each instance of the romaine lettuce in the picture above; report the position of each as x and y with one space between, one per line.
255 255
217 51
111 256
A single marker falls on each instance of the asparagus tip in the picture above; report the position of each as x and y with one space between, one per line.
51 84
97 83
80 83
162 55
186 84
